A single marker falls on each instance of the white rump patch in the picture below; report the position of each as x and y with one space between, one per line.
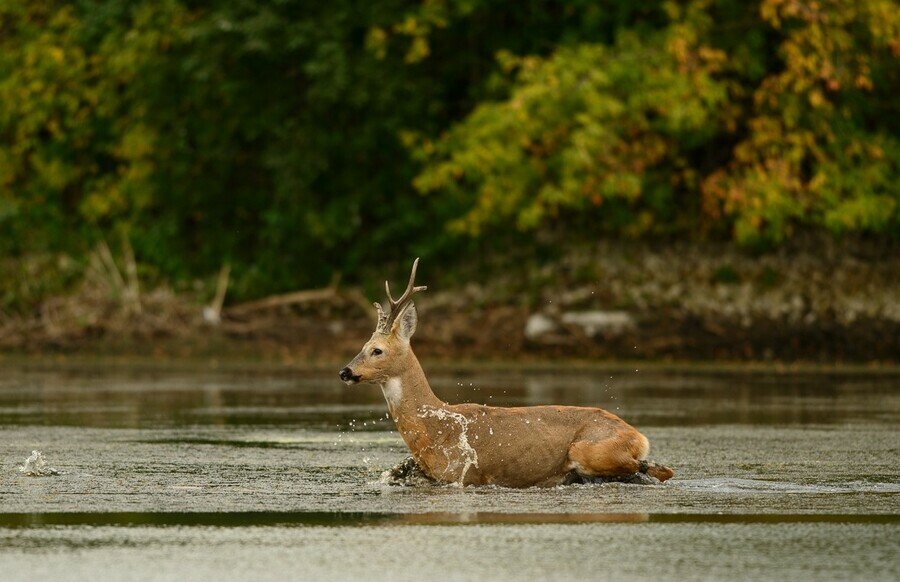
393 392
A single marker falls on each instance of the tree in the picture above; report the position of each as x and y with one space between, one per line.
798 94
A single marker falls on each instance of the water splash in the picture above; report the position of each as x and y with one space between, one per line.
36 466
407 473
468 456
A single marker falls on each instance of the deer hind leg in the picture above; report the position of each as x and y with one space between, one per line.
616 456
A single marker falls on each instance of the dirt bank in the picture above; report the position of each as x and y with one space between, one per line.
814 300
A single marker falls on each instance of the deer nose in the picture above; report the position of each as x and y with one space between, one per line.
346 374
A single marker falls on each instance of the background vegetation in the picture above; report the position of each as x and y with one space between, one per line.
293 138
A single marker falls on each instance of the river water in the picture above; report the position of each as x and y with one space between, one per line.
197 472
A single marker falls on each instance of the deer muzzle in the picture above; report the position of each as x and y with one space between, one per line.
348 377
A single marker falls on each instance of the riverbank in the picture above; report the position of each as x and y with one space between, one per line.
816 301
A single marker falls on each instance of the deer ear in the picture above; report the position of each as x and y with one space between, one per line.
405 325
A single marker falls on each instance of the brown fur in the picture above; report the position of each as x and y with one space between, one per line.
471 444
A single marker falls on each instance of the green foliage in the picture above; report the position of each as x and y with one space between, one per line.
76 147
631 133
769 278
28 281
819 142
293 139
591 129
726 274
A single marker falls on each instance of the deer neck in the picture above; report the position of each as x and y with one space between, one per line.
409 391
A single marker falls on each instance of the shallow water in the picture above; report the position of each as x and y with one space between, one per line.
189 472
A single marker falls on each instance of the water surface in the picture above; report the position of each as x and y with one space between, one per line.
165 465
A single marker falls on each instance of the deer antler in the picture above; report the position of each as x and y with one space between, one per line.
386 320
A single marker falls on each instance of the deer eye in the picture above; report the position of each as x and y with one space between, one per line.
377 352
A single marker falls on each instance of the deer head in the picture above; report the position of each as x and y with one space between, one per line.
385 353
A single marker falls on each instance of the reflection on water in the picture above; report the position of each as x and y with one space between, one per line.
350 519
210 474
736 485
133 440
131 398
125 397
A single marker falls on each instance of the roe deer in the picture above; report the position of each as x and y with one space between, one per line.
472 444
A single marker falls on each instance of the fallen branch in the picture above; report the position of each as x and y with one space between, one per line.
284 299
329 293
294 298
